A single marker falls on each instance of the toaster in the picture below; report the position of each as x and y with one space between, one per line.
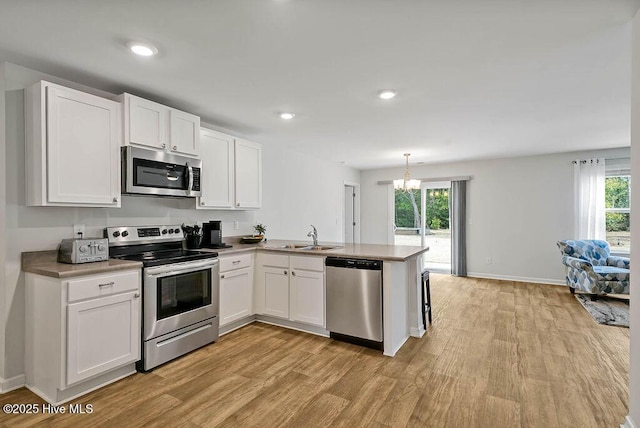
83 250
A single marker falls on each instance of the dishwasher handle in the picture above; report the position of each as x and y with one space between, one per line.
340 262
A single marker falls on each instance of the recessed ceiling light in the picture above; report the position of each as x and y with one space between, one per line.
142 49
387 94
287 115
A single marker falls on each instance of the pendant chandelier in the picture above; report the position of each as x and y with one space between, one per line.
406 183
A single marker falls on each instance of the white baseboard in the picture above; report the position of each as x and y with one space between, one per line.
628 423
10 384
516 278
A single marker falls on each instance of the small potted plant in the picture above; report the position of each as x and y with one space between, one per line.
260 229
258 236
193 235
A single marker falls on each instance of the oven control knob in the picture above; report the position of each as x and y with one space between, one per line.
101 247
83 248
170 231
116 234
176 230
164 231
125 234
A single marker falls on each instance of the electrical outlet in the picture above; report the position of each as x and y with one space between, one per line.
78 230
236 225
489 260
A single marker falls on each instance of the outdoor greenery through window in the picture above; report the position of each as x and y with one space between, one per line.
408 209
437 233
617 211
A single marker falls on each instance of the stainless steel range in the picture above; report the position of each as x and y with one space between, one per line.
180 291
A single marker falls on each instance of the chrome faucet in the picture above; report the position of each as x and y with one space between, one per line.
314 234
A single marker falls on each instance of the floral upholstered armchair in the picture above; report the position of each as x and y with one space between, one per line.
591 268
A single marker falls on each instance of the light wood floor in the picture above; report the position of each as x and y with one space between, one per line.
498 354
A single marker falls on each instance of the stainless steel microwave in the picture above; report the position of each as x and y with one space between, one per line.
156 173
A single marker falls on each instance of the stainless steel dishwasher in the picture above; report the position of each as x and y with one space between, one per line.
354 301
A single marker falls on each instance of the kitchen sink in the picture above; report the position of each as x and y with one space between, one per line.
320 247
304 247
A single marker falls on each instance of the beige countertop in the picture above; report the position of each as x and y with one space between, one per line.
44 263
396 253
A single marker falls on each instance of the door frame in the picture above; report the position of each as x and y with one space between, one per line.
356 211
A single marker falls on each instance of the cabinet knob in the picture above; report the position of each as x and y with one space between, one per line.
115 199
293 273
164 146
201 202
174 148
135 296
285 272
238 204
222 276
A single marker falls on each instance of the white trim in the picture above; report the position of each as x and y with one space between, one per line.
12 383
628 423
517 278
356 210
417 332
393 351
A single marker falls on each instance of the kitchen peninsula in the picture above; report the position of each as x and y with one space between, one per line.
402 266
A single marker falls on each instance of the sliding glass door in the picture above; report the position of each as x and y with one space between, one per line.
435 228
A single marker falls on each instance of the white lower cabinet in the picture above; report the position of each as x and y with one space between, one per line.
292 287
102 334
276 291
81 333
236 287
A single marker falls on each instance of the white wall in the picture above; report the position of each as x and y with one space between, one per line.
297 190
517 209
634 381
3 307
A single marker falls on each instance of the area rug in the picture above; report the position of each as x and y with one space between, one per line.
606 310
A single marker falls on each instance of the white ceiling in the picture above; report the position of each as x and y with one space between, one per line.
476 78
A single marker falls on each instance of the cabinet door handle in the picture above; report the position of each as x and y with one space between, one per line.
235 262
293 273
108 284
135 296
285 272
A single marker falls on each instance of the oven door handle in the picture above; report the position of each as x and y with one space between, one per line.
169 270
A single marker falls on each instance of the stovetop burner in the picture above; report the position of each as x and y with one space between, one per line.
163 257
153 246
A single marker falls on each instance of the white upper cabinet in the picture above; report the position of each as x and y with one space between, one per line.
231 172
248 174
146 122
184 132
216 151
72 148
150 124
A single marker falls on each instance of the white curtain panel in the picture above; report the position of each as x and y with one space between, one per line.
588 181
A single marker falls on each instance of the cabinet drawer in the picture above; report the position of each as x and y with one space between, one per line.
276 260
307 263
103 285
232 262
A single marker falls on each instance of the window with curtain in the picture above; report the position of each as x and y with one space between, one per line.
589 198
617 207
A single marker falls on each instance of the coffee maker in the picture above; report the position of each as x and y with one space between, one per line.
212 235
